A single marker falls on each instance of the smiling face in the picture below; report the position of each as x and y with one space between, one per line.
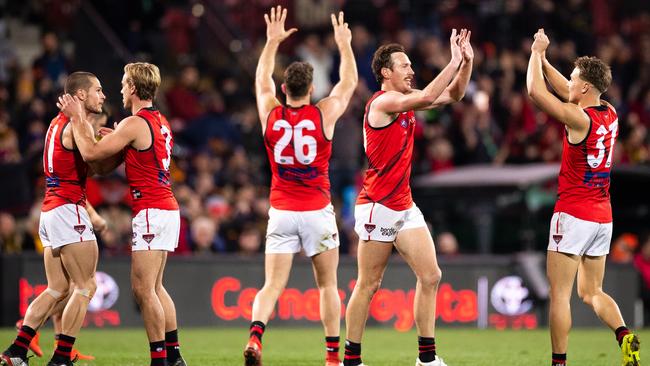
400 76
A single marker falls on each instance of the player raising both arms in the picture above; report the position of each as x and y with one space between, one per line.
298 143
581 227
146 139
385 214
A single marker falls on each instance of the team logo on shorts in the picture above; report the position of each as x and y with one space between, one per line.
148 237
557 238
80 228
370 227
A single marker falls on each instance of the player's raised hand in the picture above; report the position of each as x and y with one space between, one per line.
275 25
456 52
466 47
541 42
342 33
70 106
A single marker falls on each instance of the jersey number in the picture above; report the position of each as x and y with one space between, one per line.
164 131
300 142
49 158
595 161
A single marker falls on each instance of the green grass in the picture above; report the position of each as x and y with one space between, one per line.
304 346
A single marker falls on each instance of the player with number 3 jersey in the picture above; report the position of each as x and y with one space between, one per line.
146 139
581 226
298 144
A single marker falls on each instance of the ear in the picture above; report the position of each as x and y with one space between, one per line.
311 89
385 72
284 88
81 94
585 88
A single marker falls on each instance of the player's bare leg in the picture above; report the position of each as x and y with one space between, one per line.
39 309
80 262
561 271
171 327
372 257
276 274
591 272
57 316
325 265
416 247
146 266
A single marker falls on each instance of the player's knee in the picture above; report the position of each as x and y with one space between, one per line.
87 289
58 293
370 286
139 290
430 278
586 295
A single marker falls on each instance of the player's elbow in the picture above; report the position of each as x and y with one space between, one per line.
532 93
457 97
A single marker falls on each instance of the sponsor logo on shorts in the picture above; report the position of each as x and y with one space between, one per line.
404 123
80 228
370 227
557 238
399 224
148 237
388 231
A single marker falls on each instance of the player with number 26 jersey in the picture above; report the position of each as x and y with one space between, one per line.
148 170
299 154
583 184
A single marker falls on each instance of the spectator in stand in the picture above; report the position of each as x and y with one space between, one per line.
52 64
184 98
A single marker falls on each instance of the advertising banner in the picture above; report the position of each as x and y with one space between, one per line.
483 292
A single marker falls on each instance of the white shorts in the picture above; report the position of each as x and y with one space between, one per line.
313 231
155 229
374 221
66 224
572 235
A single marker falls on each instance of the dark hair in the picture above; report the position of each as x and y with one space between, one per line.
298 78
382 59
594 71
78 80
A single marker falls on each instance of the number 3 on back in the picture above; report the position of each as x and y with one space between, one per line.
595 161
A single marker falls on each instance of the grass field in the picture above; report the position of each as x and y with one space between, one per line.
304 346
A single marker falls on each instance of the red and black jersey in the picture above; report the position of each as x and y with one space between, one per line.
147 171
583 184
389 150
299 153
65 170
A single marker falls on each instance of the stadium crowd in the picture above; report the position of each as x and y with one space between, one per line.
220 170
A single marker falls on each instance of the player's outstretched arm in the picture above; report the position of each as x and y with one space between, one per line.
264 85
568 113
335 104
92 150
393 102
558 82
456 90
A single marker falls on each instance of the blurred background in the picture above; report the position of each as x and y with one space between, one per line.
484 169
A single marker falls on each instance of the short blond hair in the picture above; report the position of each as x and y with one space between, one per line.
145 77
